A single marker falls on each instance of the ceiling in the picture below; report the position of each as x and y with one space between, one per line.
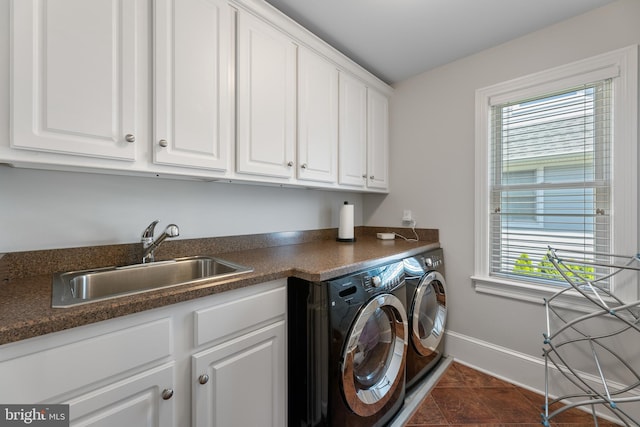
397 39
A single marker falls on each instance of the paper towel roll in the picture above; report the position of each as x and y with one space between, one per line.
345 230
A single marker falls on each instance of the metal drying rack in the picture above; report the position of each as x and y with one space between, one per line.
589 277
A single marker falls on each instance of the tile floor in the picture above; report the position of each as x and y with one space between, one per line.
465 397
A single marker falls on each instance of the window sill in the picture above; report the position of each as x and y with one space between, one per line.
537 294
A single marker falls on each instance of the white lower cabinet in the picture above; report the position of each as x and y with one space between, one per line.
141 400
113 371
146 369
240 382
239 370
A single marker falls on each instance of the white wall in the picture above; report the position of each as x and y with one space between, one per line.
432 171
45 210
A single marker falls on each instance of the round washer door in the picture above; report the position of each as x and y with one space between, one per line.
429 313
374 357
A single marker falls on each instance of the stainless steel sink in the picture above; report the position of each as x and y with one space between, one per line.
81 287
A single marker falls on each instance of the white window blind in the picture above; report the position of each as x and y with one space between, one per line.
550 181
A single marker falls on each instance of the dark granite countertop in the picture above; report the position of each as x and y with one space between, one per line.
25 300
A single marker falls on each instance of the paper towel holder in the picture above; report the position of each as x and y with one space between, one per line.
346 228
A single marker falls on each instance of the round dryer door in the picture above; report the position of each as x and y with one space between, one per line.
429 313
374 357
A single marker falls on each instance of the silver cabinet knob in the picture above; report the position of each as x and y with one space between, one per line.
167 393
371 177
203 379
364 175
303 166
130 138
163 143
290 164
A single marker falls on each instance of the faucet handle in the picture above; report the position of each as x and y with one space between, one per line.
172 230
148 232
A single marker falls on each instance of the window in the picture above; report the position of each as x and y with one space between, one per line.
556 162
551 163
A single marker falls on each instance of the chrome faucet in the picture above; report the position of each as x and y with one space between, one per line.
149 246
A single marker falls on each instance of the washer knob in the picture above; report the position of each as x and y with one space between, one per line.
429 262
376 281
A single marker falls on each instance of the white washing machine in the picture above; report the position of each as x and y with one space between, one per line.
426 313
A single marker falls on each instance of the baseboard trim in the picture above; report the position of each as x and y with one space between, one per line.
518 368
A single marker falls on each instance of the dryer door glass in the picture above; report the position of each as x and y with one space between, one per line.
374 357
429 313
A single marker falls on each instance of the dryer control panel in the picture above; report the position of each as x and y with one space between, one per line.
420 265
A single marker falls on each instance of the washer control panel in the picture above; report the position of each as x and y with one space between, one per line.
433 261
359 287
384 278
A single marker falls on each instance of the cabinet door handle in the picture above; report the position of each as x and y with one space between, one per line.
371 177
203 379
130 138
290 164
364 175
303 166
163 143
167 393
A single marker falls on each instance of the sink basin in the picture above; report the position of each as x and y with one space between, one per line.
81 287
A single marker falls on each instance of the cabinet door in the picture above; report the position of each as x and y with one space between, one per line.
353 131
378 140
73 68
266 60
244 383
192 104
143 400
317 118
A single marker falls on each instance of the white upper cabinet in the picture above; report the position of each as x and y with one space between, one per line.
377 140
317 118
266 99
364 135
73 67
205 89
193 90
353 131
